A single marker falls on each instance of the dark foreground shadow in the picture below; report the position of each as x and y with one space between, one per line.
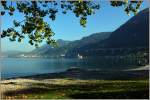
26 92
142 94
83 93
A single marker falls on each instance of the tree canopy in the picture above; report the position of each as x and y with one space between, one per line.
37 30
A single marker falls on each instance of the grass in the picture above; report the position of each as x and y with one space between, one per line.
84 89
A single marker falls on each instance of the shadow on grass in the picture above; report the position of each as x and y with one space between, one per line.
114 90
26 91
140 94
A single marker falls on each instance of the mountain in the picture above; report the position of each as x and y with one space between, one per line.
47 48
66 46
62 43
76 46
94 38
11 53
132 34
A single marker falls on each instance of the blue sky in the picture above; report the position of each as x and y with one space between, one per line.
67 27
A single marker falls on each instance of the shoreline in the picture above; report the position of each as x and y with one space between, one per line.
50 85
85 74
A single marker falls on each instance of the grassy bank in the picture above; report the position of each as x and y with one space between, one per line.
73 88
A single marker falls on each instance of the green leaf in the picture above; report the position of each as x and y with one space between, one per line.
2 13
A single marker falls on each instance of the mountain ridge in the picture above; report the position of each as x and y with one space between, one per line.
134 33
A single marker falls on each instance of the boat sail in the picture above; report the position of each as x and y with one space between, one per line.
80 56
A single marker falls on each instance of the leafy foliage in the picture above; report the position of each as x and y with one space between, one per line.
36 29
130 5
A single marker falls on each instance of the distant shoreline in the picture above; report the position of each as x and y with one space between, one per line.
78 73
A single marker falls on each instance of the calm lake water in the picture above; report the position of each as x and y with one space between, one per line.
12 67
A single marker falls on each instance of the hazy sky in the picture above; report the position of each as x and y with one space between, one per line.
67 27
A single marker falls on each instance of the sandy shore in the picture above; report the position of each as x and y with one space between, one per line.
71 76
141 68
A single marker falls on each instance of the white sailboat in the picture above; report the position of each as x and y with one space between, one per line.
80 56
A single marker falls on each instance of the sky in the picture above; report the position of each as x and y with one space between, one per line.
67 27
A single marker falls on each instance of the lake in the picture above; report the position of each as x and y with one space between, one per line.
14 67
